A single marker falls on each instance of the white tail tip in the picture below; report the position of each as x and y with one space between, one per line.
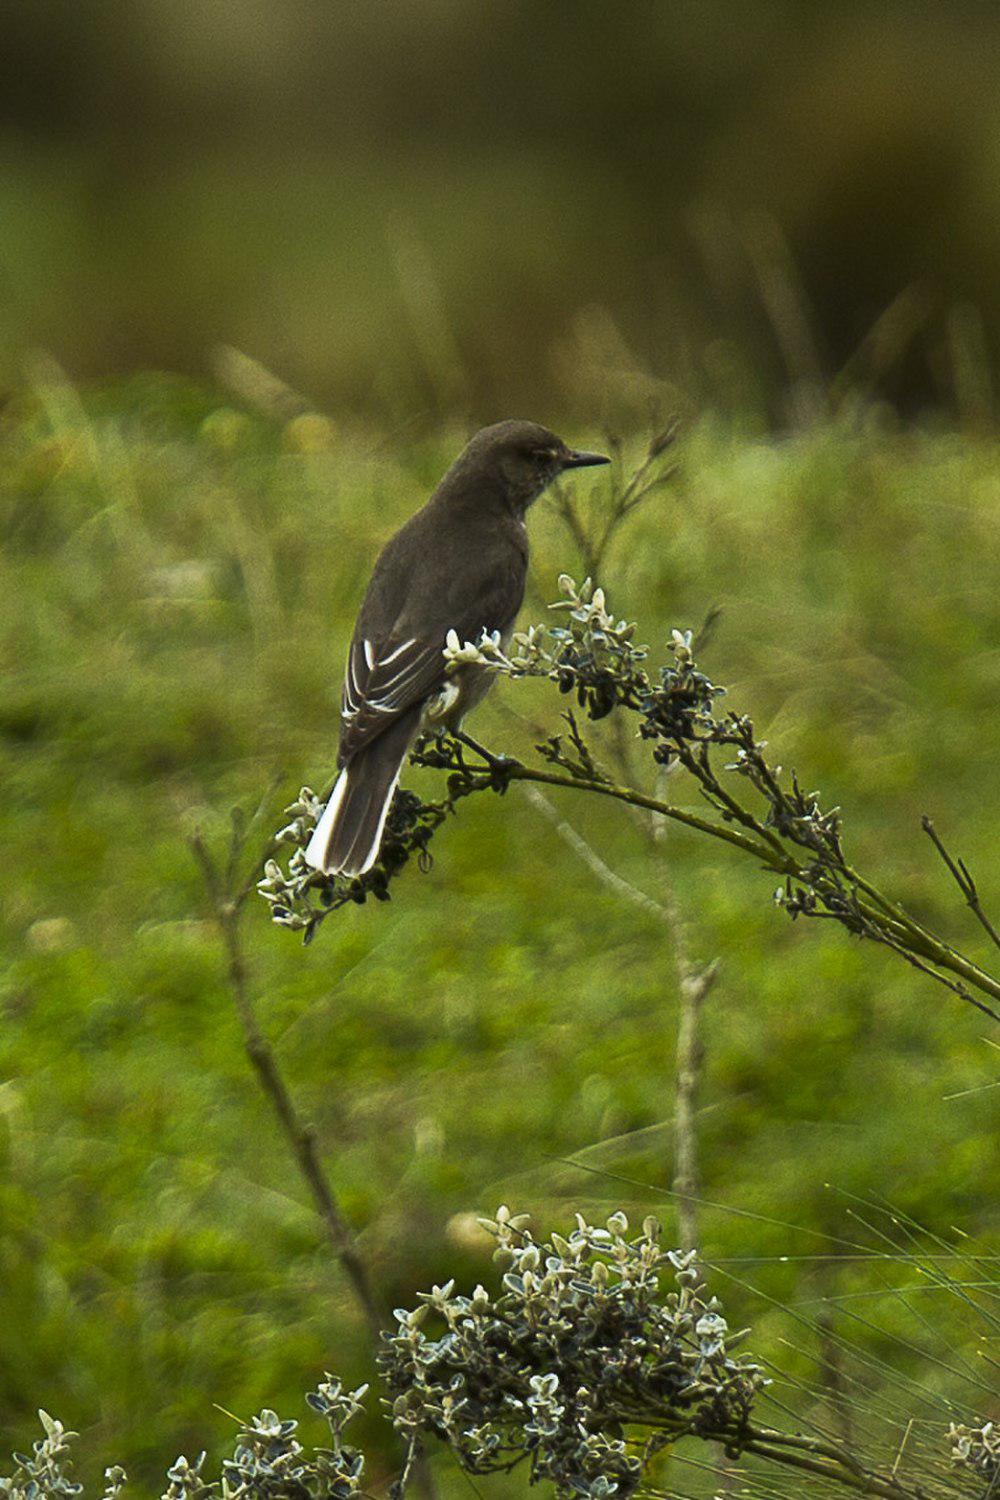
318 847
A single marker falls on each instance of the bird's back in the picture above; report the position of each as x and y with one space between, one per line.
448 564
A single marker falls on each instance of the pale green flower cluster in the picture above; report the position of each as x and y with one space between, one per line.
268 1462
586 1333
978 1448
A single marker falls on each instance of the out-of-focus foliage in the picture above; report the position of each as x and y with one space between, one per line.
179 578
441 205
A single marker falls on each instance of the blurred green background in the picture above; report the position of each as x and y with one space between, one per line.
433 203
779 221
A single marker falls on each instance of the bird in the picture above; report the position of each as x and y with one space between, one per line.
459 564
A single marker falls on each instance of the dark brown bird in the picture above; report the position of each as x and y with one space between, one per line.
458 564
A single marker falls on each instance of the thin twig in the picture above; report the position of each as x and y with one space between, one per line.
590 857
695 986
832 1370
959 870
810 1455
939 955
300 1135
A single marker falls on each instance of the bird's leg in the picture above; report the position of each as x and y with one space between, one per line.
481 750
499 765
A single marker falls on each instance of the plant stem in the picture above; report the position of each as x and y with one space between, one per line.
810 1455
694 987
635 798
227 911
908 934
228 901
959 871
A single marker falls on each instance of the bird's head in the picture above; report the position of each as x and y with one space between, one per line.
520 459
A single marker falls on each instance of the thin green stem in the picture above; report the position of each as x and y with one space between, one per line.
888 921
653 804
810 1455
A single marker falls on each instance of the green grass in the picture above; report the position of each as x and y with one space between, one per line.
177 585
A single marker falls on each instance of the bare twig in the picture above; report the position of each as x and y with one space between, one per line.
227 898
593 538
695 986
590 857
832 1374
227 904
810 1455
959 871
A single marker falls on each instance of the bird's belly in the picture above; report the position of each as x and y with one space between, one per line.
462 691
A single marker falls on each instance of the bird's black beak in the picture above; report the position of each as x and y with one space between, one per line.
579 460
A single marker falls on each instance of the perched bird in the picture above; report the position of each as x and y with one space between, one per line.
458 564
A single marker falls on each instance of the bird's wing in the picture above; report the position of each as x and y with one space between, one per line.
397 660
382 681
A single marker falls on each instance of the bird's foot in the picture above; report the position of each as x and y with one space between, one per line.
499 766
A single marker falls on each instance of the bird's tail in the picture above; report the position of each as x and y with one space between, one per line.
349 833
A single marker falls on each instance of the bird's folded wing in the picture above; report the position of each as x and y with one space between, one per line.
385 679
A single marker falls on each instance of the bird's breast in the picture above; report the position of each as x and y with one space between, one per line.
440 705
